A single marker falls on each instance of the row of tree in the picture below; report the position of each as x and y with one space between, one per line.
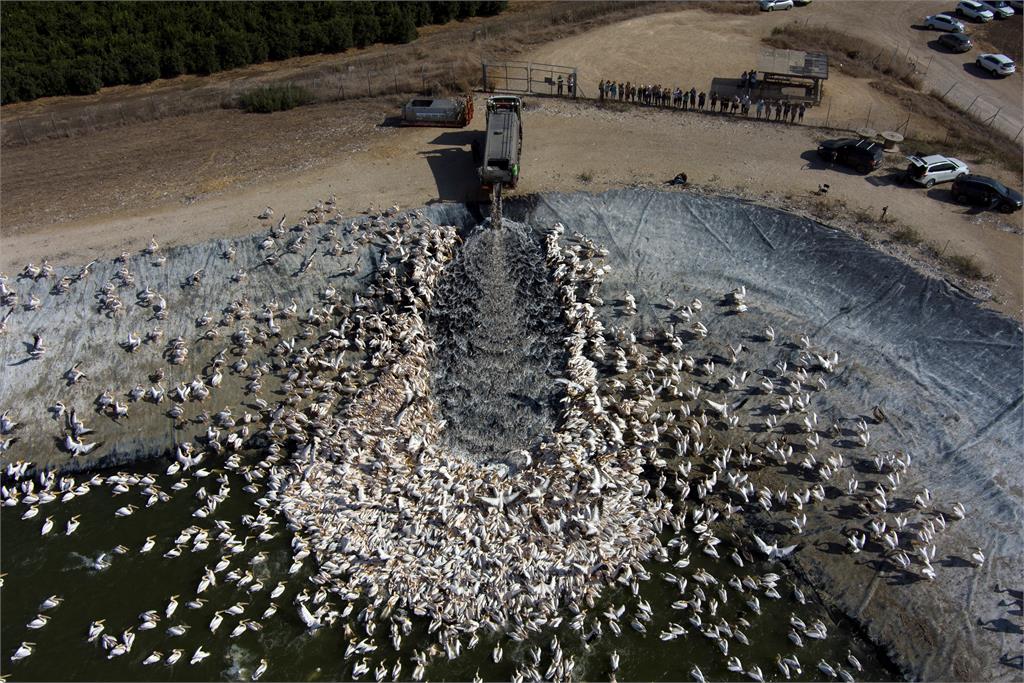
75 48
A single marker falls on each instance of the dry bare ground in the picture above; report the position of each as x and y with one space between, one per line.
191 177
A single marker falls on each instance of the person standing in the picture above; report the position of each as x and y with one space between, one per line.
792 113
700 101
560 84
735 104
600 90
723 104
778 110
714 99
760 108
785 111
803 108
686 99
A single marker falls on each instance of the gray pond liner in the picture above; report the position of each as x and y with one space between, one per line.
947 373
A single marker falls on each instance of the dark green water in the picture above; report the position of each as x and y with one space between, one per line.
38 566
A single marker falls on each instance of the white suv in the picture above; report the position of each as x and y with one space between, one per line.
935 168
974 10
772 5
997 65
1000 8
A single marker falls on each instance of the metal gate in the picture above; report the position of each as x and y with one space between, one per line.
530 78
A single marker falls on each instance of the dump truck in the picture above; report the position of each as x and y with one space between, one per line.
501 149
504 142
447 112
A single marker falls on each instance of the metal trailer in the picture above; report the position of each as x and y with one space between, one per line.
439 111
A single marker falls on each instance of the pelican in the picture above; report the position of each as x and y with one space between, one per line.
39 622
72 524
172 605
199 655
215 622
47 526
24 650
177 630
148 545
125 511
977 557
853 661
173 657
260 670
95 629
51 602
154 657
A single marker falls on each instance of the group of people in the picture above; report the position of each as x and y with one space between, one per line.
677 98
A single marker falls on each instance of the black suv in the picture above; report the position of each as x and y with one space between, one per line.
863 155
984 191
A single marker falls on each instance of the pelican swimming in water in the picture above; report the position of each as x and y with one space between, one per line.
51 602
260 670
154 657
199 655
125 511
24 650
148 545
72 525
47 526
39 622
173 657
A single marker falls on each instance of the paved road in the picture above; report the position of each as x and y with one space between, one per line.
898 25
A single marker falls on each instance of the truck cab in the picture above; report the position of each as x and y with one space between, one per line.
503 143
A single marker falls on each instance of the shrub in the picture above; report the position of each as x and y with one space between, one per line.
275 98
906 235
965 266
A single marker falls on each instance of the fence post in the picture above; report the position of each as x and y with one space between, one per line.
394 72
828 114
971 105
369 93
950 90
992 120
867 122
1018 133
423 78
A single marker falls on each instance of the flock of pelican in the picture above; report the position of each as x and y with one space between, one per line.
654 456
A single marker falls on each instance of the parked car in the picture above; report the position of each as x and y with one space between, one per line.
984 191
974 10
956 42
943 22
863 155
1017 5
935 168
1000 8
801 3
997 65
772 5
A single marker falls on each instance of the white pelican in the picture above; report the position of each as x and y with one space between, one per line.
38 622
177 630
47 526
154 657
218 617
72 525
199 655
173 657
260 670
172 605
125 511
24 650
148 545
51 602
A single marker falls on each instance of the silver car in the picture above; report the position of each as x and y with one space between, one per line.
944 22
935 168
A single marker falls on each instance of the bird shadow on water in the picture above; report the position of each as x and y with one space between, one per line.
955 561
830 547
